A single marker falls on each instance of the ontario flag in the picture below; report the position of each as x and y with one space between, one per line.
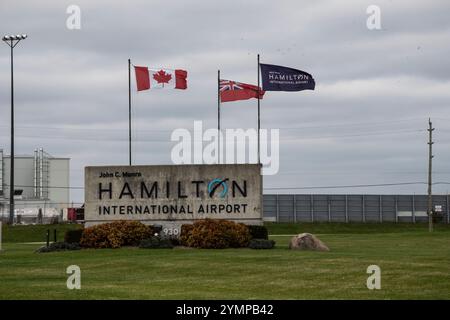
160 78
233 91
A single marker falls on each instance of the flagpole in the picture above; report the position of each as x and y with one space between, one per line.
218 116
259 116
129 110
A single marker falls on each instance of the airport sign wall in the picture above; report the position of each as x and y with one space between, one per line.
162 194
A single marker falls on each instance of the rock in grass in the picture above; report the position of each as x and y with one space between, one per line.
307 241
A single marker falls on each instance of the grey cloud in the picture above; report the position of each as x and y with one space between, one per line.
71 86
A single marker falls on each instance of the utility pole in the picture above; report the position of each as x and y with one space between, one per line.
218 116
12 41
259 115
129 111
430 160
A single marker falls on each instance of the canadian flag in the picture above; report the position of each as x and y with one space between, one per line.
160 78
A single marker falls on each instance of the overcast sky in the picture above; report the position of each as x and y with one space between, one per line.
364 124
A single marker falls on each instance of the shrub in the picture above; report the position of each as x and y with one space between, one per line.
133 232
258 232
115 234
185 233
157 229
174 241
59 246
73 236
156 243
215 234
261 244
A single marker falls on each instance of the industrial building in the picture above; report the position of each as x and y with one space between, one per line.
376 208
41 186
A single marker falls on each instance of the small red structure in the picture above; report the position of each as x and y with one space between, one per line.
75 214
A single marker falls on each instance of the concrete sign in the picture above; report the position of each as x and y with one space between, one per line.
179 194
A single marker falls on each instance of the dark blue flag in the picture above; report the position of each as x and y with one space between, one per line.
278 78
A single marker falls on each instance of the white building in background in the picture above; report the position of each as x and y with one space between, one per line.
41 185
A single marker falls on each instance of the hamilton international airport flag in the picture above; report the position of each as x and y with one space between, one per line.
160 78
278 78
233 91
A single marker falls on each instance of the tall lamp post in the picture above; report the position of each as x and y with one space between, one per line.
12 41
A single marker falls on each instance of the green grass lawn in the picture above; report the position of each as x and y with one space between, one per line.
414 265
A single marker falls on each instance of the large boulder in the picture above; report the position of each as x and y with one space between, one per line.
307 241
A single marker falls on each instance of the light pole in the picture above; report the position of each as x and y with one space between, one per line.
12 41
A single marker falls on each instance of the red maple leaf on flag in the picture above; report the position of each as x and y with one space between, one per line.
162 77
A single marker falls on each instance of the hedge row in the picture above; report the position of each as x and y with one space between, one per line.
207 234
115 234
59 246
215 234
261 244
